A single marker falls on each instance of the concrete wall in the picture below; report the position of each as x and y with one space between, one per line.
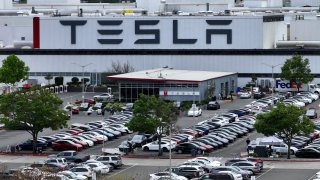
305 30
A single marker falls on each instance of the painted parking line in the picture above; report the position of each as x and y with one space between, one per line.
312 176
122 170
264 173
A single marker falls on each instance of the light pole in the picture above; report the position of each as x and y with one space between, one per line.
82 66
170 169
272 84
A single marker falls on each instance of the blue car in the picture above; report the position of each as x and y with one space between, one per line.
28 145
204 129
238 112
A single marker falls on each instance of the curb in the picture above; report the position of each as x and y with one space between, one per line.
23 154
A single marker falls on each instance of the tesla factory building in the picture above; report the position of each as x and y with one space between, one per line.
176 85
75 40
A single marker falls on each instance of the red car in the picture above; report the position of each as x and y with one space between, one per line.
90 101
65 145
83 144
72 132
75 110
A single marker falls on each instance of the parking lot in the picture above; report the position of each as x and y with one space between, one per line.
140 169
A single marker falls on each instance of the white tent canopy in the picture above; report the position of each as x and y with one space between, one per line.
271 140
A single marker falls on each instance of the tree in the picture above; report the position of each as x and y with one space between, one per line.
284 121
75 80
13 70
254 78
297 70
152 116
48 77
118 68
208 94
40 109
58 80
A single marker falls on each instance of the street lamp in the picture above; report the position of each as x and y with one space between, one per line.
82 66
272 67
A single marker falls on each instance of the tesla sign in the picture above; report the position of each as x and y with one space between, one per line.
140 30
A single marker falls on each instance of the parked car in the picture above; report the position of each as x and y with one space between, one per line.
71 156
113 160
66 145
82 170
195 111
99 167
213 105
187 147
188 171
312 113
308 153
28 145
244 173
72 175
166 175
245 95
104 97
154 146
90 101
247 165
216 176
258 95
139 140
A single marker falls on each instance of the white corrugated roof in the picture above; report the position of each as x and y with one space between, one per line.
168 74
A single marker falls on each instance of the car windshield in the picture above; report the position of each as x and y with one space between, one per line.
137 138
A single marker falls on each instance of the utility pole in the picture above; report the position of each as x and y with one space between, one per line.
272 84
82 66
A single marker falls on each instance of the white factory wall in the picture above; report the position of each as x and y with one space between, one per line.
272 32
300 3
53 1
102 63
14 28
6 4
305 30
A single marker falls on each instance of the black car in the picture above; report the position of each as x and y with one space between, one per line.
238 112
213 105
308 153
187 147
258 95
28 145
217 176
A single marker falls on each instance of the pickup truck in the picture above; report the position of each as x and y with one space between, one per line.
71 156
281 148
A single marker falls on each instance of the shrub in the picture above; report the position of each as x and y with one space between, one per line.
58 80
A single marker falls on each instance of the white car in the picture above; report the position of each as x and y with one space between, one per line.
208 165
95 134
166 175
89 142
245 95
82 170
235 175
195 111
104 96
154 146
72 175
98 167
295 102
121 126
220 121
